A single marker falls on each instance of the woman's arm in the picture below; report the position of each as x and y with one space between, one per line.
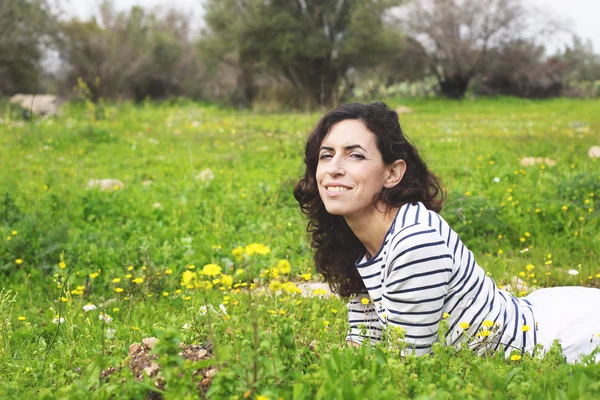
417 284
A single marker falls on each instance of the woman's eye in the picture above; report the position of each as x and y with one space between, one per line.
324 156
357 156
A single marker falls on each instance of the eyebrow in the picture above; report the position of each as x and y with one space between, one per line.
349 147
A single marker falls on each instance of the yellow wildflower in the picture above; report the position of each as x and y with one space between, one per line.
227 280
320 292
239 271
284 266
529 267
515 357
94 275
257 248
487 323
21 318
116 280
62 265
14 233
306 276
137 280
119 290
211 270
275 285
130 268
484 333
525 328
169 271
19 261
128 276
238 251
464 325
365 301
166 294
445 315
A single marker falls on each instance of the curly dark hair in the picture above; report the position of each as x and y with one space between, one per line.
336 247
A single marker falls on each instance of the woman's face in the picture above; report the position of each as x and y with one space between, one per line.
350 170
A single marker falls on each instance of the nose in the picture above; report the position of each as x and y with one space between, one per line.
336 166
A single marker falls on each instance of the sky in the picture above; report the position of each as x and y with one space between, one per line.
579 16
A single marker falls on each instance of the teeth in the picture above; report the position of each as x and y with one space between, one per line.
337 189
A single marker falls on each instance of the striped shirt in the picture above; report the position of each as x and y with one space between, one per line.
422 273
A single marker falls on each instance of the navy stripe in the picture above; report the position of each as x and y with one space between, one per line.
408 236
360 336
417 289
417 312
421 301
373 328
428 273
405 212
374 287
362 321
436 322
420 261
372 275
416 247
421 336
417 214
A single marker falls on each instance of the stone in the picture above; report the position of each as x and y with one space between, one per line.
149 342
40 104
404 110
594 152
105 185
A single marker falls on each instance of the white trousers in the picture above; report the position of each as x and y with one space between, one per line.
570 314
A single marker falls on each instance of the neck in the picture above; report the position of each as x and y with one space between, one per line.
371 228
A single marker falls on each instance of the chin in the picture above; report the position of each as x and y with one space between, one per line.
336 210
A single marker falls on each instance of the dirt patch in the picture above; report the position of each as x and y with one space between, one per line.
142 363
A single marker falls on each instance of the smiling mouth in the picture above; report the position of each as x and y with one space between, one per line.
337 189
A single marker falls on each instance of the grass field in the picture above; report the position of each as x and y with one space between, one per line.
204 243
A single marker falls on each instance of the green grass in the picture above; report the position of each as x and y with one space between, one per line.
179 221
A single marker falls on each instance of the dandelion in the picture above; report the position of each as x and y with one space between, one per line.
211 270
525 328
19 261
275 285
169 271
116 280
21 318
89 307
284 266
257 248
529 267
464 325
137 280
261 397
227 280
14 233
119 290
187 298
130 268
110 333
573 272
445 315
166 294
238 251
62 265
364 300
306 277
94 275
487 323
58 320
564 208
325 323
484 333
116 309
515 357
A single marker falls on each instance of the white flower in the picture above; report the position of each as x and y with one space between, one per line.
186 326
573 272
222 307
108 319
525 250
203 310
101 316
89 307
110 333
58 320
496 179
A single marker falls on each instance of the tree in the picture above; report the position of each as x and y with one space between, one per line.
310 44
459 37
27 28
131 54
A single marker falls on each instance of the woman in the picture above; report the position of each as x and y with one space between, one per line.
373 208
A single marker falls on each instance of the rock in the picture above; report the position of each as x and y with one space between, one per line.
594 152
152 369
149 342
529 161
105 185
205 175
404 110
41 104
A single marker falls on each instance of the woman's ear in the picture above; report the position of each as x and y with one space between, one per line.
395 172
